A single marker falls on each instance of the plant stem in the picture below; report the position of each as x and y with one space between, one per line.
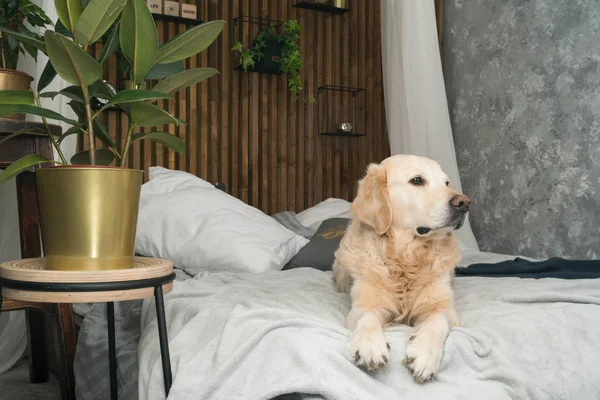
125 151
52 139
90 124
127 144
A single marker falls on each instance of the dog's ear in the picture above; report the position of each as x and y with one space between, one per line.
372 204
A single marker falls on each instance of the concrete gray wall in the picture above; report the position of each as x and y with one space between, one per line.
523 85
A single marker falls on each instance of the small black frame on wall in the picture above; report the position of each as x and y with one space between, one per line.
342 111
330 6
245 30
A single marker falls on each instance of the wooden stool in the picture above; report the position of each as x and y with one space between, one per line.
30 281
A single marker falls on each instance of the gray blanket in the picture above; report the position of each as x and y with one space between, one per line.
256 336
520 339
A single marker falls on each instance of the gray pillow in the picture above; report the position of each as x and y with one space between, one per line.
319 252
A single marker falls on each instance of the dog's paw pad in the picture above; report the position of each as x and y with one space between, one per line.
422 359
370 349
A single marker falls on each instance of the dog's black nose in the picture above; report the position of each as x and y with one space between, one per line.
461 203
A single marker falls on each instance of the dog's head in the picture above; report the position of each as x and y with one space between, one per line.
409 193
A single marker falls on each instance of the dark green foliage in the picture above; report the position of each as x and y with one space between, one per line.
291 61
13 15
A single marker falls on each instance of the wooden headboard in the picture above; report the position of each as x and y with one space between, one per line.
246 130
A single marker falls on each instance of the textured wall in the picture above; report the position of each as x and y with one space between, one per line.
523 83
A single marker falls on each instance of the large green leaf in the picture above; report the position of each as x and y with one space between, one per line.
63 30
102 90
165 138
110 45
69 12
38 44
101 133
147 115
160 71
99 130
184 79
74 130
96 19
71 62
97 89
103 157
71 92
79 110
16 97
138 38
21 165
190 42
132 96
48 75
6 109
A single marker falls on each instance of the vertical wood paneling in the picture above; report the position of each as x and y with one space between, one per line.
247 131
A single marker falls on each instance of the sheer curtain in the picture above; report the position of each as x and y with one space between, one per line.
415 97
13 338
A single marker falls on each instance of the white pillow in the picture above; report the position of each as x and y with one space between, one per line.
199 227
331 208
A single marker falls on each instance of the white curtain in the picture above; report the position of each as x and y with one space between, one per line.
415 97
13 338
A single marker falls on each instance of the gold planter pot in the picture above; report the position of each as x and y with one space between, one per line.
11 79
89 216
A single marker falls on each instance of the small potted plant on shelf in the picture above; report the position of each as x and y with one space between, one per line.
276 52
88 205
18 15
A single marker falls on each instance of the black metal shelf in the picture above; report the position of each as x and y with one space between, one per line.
345 134
325 7
178 20
338 105
246 37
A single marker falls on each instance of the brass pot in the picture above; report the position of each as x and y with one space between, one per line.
88 216
11 79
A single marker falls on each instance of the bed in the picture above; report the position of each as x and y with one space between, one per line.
274 331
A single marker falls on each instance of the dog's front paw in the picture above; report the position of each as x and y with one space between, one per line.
423 357
369 348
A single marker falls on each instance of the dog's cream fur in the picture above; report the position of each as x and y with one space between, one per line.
394 273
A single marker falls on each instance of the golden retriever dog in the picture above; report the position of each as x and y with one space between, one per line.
397 261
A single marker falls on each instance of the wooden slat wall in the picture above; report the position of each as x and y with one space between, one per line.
247 131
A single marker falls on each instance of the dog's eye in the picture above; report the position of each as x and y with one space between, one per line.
447 183
417 181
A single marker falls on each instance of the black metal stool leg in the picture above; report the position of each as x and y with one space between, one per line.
112 352
163 339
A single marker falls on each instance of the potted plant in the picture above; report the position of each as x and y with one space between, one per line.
16 15
271 52
88 205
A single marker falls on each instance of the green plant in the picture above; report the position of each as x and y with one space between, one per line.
129 26
290 62
13 15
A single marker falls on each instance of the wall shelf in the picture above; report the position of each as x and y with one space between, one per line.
245 31
331 6
177 20
341 104
343 134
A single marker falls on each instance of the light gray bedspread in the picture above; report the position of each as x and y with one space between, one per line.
255 336
245 336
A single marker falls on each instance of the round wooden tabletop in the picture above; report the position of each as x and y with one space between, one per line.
33 271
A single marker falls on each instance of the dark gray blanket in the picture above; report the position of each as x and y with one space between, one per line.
556 267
